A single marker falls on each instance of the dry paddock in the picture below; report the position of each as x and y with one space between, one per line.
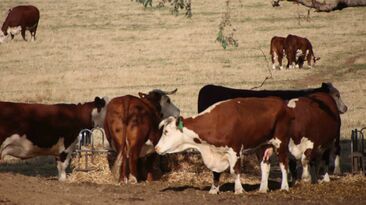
110 48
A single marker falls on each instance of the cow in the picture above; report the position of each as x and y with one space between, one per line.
277 51
30 130
301 48
210 94
131 127
20 19
315 132
227 129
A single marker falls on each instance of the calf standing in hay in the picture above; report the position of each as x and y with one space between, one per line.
131 126
20 19
227 129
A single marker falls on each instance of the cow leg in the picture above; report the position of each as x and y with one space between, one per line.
23 33
265 168
133 157
325 159
119 168
293 170
236 175
336 151
150 166
62 162
305 166
284 167
215 188
280 57
273 56
313 171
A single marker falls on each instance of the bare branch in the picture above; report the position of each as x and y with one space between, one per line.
332 5
269 70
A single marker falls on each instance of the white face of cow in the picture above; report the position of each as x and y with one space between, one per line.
172 140
342 108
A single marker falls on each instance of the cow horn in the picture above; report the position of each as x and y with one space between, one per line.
171 92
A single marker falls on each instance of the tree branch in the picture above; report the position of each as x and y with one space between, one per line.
332 5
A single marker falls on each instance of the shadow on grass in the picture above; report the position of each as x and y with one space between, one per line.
227 187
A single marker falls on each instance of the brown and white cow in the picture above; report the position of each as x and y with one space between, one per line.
277 50
29 130
132 128
315 131
20 19
211 94
301 48
224 131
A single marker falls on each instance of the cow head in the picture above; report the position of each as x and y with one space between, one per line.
162 102
342 108
3 36
173 138
99 111
315 59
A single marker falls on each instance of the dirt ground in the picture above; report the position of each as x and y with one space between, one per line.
35 181
16 188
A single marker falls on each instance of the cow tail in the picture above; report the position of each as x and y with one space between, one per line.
125 119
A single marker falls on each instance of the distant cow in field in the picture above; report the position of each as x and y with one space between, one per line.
132 128
277 50
226 130
301 48
20 19
211 94
30 130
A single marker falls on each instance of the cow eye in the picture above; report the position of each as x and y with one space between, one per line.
165 132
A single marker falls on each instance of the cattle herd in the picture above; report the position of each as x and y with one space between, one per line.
296 125
297 50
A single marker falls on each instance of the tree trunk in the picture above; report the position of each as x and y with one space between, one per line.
332 5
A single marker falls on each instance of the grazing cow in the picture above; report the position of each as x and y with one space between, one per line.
29 130
20 19
300 47
210 94
131 127
227 129
277 50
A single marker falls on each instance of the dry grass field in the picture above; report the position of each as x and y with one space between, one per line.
88 48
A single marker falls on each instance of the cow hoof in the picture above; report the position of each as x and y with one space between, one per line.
306 179
285 188
326 178
281 68
214 190
132 179
263 190
238 191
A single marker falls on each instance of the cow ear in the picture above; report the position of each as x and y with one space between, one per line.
142 95
99 102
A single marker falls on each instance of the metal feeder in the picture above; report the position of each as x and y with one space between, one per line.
358 151
86 148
